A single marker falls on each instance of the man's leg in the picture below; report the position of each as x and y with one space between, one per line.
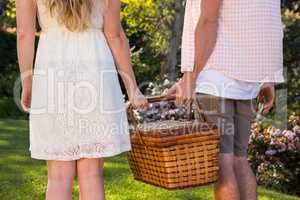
226 188
221 112
245 177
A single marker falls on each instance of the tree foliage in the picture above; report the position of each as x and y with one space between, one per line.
7 13
291 19
148 25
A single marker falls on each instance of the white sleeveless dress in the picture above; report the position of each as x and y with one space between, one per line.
77 108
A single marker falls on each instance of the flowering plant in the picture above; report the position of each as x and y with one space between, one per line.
275 155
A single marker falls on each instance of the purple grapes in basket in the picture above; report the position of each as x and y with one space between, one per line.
164 110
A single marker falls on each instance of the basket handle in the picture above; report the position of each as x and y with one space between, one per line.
154 99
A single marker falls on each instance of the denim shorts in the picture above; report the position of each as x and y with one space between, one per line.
233 118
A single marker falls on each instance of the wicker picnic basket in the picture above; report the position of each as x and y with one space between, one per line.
173 154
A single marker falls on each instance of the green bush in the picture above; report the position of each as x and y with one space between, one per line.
291 19
8 52
274 155
9 109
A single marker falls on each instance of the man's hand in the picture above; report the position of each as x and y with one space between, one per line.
267 97
184 89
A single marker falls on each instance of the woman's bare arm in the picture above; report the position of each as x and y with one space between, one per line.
26 19
118 43
205 36
206 33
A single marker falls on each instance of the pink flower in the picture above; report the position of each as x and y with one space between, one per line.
275 142
261 168
260 137
275 132
296 129
290 135
278 145
291 147
282 147
270 152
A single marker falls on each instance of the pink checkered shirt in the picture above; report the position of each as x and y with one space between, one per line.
249 43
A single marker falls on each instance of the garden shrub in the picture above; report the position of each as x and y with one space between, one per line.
9 109
274 155
8 52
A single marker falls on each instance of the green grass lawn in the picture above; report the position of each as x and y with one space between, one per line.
22 178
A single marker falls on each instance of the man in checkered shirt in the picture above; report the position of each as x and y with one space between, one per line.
231 57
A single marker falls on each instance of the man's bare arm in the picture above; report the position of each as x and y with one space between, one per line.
205 39
205 35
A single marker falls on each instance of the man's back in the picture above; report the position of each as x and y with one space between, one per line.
249 42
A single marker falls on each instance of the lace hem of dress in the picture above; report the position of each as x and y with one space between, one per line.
81 151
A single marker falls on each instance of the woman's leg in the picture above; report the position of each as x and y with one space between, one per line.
90 180
60 180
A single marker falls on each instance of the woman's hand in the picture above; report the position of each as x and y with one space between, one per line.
184 89
26 93
138 100
267 96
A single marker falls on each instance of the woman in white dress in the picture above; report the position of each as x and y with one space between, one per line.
76 107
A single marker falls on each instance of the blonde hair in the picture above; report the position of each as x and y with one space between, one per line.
75 15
